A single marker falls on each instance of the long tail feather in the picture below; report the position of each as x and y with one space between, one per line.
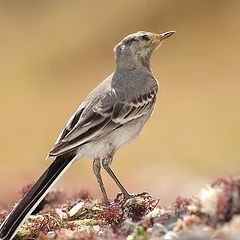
35 195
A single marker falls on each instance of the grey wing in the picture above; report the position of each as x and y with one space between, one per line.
104 117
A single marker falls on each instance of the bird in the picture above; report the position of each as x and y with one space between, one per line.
111 116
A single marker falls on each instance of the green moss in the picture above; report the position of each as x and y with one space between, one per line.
138 234
23 234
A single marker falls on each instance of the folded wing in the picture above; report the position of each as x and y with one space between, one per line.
107 115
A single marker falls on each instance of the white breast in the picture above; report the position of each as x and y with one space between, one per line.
114 140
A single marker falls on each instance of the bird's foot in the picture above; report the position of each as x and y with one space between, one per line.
106 202
143 194
126 196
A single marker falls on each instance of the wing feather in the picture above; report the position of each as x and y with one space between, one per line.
101 119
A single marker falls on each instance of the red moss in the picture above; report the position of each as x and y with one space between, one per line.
49 222
112 214
227 204
121 217
181 205
137 211
3 214
65 235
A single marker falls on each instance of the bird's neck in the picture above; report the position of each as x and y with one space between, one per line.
133 62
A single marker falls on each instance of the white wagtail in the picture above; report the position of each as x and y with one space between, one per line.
111 116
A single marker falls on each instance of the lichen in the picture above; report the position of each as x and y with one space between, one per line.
212 214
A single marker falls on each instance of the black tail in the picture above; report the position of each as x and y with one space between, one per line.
32 199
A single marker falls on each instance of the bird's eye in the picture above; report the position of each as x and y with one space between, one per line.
145 37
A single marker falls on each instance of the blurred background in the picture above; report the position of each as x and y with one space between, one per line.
53 53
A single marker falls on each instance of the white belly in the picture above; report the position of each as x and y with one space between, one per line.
112 141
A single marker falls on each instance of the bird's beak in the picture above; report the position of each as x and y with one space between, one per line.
165 35
159 38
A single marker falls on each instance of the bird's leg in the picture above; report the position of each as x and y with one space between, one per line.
97 172
106 165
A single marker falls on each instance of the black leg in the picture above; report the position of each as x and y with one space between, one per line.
106 165
97 172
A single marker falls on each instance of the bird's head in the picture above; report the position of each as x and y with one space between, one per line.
137 48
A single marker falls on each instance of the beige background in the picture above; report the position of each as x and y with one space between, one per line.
53 53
